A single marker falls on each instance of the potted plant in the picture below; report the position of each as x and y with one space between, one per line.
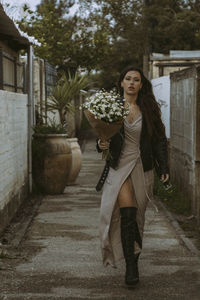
52 158
61 100
63 94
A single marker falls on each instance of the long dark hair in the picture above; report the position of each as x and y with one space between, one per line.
147 103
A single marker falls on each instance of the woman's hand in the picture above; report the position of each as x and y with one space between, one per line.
164 177
103 145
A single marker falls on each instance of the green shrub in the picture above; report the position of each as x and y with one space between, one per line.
52 128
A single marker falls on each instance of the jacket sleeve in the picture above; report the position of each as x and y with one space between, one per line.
160 153
115 148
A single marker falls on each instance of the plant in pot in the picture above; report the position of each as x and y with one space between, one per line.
63 94
52 157
61 100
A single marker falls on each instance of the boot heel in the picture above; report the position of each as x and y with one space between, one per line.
131 276
128 237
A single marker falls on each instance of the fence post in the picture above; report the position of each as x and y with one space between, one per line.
197 148
1 69
15 74
24 78
30 113
45 78
41 66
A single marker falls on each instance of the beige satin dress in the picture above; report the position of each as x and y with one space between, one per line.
130 164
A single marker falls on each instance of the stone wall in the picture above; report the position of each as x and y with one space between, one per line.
185 133
13 154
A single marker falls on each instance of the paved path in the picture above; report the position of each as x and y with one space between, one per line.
60 258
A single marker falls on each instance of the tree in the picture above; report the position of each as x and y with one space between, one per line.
112 34
139 26
49 26
66 41
171 25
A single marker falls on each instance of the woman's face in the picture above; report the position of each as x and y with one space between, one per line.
131 83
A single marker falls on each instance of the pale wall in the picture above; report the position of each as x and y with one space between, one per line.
185 132
161 90
13 154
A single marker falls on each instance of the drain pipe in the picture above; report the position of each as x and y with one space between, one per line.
30 114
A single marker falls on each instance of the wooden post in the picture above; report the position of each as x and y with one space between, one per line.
45 107
197 148
30 113
1 69
161 71
24 78
41 87
146 65
146 43
15 74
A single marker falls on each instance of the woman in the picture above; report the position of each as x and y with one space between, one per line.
127 178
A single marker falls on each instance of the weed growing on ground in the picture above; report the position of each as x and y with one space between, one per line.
173 198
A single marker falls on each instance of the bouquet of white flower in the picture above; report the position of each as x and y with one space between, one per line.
105 112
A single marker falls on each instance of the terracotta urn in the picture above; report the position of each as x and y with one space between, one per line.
76 161
52 158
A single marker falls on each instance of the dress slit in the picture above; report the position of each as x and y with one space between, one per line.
128 176
130 164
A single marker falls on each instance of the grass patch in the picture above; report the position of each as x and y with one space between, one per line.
173 198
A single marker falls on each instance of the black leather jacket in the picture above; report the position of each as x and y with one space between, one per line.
153 153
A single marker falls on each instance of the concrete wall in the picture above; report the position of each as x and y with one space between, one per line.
185 133
13 154
161 90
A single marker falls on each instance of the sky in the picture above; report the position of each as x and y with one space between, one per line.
32 3
17 3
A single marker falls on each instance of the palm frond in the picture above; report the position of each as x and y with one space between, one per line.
67 88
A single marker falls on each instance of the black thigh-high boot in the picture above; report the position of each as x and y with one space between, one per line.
128 236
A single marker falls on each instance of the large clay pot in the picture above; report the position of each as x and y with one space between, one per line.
52 158
76 160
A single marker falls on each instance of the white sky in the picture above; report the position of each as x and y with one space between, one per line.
32 3
18 3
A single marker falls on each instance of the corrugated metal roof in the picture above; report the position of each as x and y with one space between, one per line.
185 53
177 55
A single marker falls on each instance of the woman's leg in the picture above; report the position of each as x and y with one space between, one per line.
128 211
126 196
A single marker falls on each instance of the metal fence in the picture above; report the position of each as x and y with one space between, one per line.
50 77
50 82
12 73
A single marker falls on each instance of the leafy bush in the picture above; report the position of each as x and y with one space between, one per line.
51 128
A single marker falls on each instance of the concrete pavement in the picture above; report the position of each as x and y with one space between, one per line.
59 257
